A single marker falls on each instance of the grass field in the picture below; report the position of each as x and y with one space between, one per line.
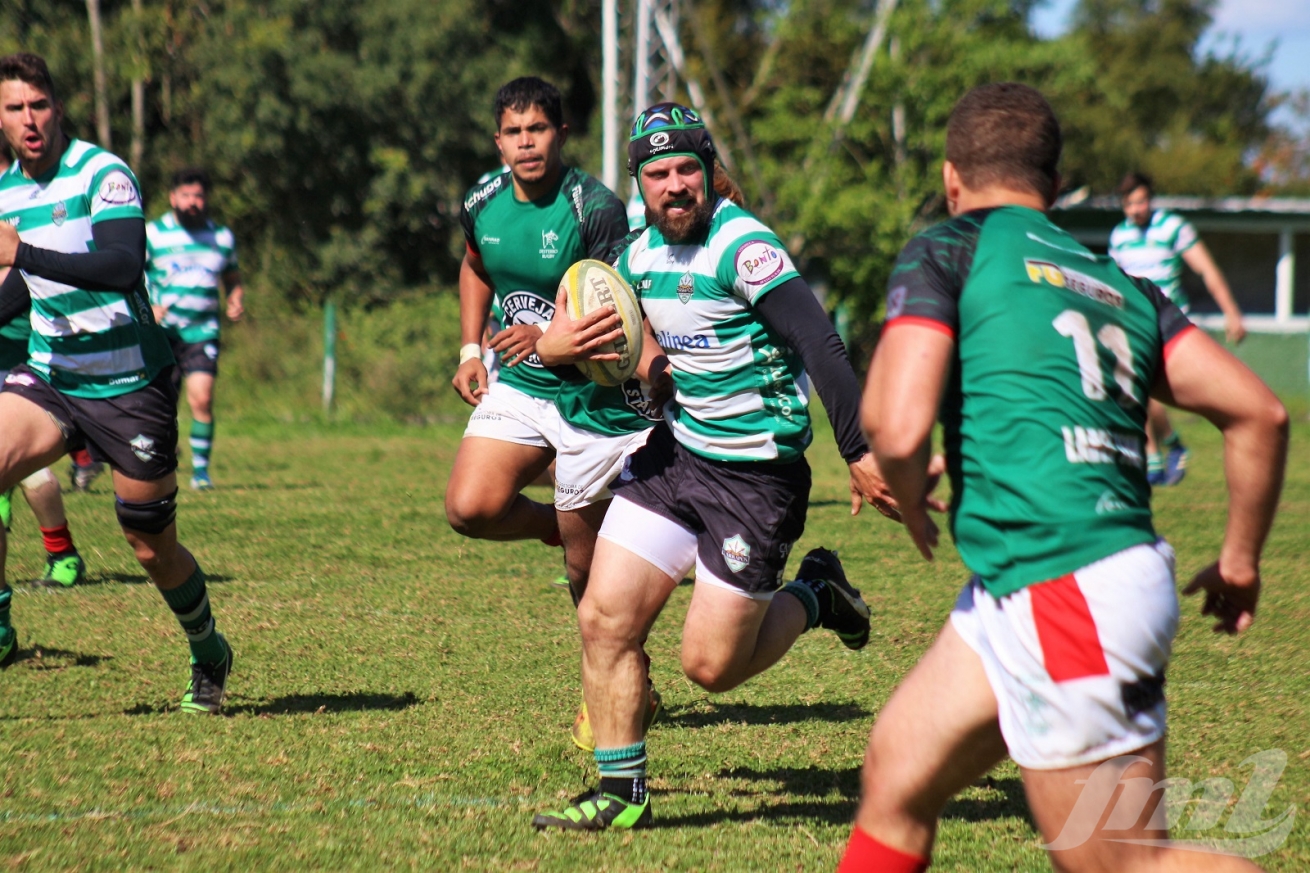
401 696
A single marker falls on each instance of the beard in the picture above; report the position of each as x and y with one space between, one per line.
683 228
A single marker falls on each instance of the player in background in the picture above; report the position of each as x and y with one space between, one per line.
99 371
523 229
1057 647
723 485
187 257
1154 244
64 566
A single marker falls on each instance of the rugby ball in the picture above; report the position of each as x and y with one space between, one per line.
590 285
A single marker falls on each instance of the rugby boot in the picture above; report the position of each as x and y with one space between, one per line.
9 647
204 693
845 613
1175 464
595 811
62 571
82 475
7 509
200 481
585 740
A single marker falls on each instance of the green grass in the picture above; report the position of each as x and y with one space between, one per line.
401 696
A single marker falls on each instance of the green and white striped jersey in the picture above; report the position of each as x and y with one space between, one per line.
742 393
86 342
1155 252
184 268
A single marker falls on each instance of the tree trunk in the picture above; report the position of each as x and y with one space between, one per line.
138 95
101 88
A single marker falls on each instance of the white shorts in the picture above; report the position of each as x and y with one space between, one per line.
663 543
509 415
1077 663
586 463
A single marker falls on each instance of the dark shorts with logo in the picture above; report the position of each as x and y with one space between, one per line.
135 433
195 358
746 514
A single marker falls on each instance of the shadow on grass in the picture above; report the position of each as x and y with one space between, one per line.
294 704
141 579
49 658
816 786
696 715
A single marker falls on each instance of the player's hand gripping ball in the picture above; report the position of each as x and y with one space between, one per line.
590 285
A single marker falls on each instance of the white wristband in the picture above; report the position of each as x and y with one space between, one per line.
469 351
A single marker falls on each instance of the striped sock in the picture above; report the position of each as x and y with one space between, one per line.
6 594
804 591
1155 463
190 603
202 443
623 772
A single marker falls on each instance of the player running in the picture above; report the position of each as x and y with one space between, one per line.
99 371
1154 244
724 485
1039 357
187 257
523 229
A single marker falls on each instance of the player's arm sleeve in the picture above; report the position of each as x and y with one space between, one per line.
470 233
115 264
925 284
1173 323
792 312
1186 237
604 225
14 297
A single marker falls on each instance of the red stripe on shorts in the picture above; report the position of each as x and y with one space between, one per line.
1066 631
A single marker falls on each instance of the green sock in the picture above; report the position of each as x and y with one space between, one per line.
623 772
6 594
1173 441
190 603
202 443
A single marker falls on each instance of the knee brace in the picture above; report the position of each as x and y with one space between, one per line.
152 517
40 478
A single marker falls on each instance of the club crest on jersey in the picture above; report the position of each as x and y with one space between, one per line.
686 287
736 553
59 213
524 307
758 262
548 240
1072 280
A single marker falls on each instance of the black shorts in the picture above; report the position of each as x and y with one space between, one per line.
135 433
746 514
195 358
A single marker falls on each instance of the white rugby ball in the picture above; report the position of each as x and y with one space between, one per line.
590 285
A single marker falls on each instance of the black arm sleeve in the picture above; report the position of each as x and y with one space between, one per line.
794 314
14 297
115 265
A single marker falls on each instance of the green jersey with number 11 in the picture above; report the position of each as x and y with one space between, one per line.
1056 352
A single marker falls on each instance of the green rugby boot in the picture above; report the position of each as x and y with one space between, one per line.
204 693
596 812
6 509
63 571
846 614
9 648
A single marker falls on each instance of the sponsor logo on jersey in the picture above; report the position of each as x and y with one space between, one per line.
19 379
686 287
896 302
759 262
1072 280
636 400
1108 503
117 188
524 307
483 193
1096 445
127 380
489 240
59 214
548 240
642 285
143 447
736 553
13 220
682 342
576 196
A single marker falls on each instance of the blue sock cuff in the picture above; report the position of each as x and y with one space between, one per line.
626 753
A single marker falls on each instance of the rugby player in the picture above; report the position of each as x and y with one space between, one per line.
64 566
187 257
1154 244
99 370
724 485
1039 356
523 229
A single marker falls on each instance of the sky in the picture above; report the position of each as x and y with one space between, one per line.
1256 22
